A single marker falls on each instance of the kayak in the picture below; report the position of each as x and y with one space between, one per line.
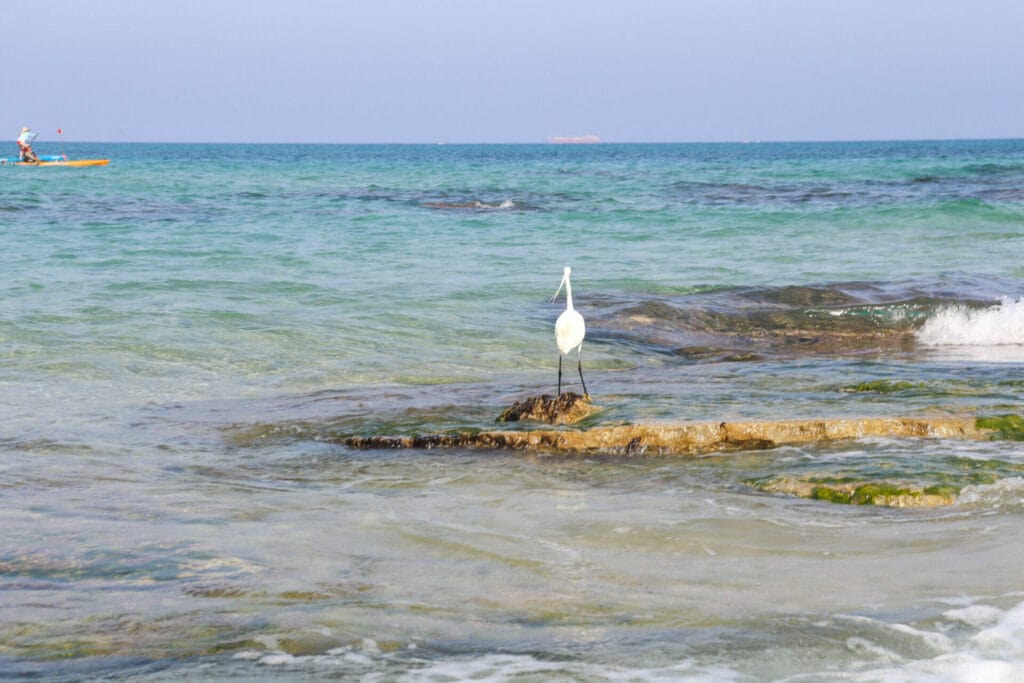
70 162
56 160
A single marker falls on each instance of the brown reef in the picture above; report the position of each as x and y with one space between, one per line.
687 439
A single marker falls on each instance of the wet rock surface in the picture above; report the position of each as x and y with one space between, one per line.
688 439
567 408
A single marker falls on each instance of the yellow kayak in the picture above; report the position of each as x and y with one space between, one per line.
62 162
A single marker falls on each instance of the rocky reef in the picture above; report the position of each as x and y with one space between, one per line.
687 439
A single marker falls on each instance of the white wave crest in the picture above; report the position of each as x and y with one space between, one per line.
999 325
1006 494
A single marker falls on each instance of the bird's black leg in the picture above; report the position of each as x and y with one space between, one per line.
559 375
579 366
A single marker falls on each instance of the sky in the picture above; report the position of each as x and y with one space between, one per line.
429 71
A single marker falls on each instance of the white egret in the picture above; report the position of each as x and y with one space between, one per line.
569 331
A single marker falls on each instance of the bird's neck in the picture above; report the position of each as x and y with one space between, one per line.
568 296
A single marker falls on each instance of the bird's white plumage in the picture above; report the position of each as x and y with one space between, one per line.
569 328
569 332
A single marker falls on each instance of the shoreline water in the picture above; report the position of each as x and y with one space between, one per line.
189 335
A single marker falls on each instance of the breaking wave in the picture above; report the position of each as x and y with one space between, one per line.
970 641
959 325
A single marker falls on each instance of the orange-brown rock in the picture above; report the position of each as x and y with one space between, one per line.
688 439
567 408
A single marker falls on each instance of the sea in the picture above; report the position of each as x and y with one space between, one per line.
190 336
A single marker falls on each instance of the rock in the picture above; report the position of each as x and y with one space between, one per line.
899 494
686 439
568 408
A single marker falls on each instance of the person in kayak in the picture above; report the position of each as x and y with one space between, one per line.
25 152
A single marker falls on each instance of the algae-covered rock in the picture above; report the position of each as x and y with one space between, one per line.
881 386
1010 427
883 493
567 408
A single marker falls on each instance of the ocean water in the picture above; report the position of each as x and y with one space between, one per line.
188 335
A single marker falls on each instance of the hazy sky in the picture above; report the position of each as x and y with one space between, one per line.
512 70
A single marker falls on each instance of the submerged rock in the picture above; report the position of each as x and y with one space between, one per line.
472 204
899 494
714 354
882 386
567 408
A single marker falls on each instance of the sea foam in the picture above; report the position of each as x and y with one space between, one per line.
1005 494
999 325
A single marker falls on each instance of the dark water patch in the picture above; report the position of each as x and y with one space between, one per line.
994 169
468 200
371 193
1004 195
835 190
471 205
757 195
845 193
793 295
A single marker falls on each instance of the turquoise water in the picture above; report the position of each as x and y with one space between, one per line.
187 334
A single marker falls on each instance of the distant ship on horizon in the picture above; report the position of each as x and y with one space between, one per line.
587 139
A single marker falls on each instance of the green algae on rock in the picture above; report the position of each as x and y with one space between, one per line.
881 386
1009 427
884 493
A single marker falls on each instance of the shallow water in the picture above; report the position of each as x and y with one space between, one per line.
187 334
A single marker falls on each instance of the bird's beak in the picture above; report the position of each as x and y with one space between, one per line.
558 291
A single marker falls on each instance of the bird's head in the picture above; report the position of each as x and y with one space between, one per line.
565 278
